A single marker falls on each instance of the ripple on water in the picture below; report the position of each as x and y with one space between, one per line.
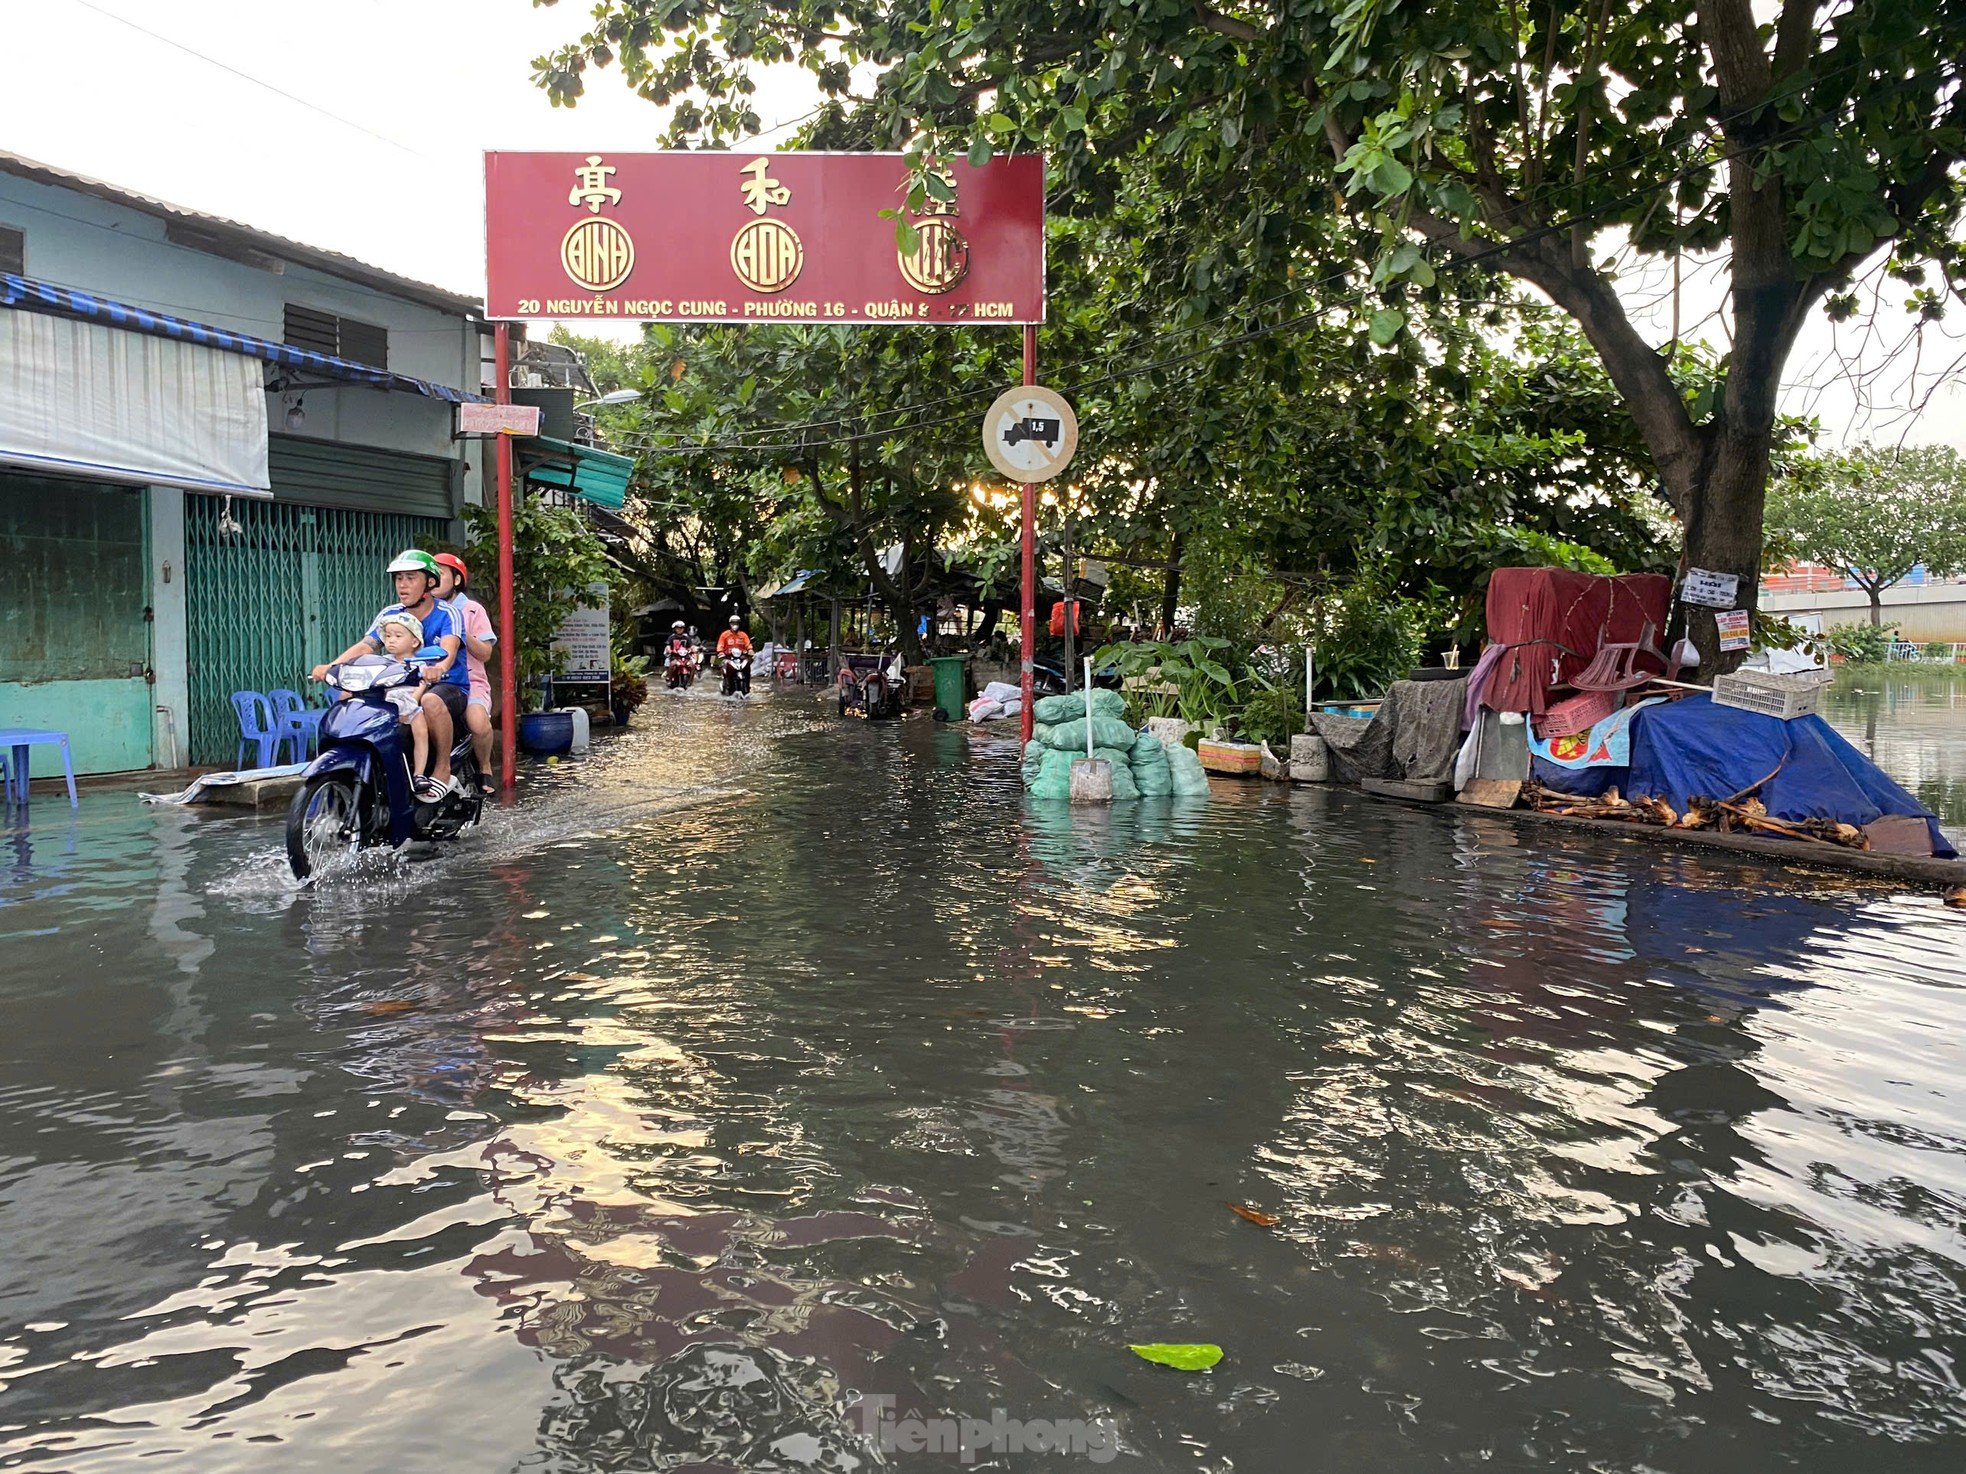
767 1067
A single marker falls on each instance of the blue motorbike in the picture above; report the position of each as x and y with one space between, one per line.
357 794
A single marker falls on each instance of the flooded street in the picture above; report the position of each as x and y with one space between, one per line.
1913 725
766 1066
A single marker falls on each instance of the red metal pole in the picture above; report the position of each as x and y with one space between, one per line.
1029 606
508 679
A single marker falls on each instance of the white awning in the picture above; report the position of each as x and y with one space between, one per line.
81 399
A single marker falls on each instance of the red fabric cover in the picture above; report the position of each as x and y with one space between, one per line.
1578 611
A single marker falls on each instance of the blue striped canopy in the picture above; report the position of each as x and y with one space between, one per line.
35 296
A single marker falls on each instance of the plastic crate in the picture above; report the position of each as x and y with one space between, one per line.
1786 697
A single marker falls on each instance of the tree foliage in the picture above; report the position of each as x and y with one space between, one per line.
1385 151
1875 513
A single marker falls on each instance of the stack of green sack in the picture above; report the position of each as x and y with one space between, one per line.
1142 767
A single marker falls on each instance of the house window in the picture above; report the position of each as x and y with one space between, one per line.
364 342
13 251
339 337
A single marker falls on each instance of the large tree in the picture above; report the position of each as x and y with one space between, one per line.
1875 514
1518 137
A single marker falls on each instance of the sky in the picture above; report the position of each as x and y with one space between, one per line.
359 127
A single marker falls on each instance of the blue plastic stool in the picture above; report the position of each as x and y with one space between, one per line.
258 730
297 722
18 740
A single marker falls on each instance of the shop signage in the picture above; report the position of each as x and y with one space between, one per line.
498 419
1030 433
747 237
1705 587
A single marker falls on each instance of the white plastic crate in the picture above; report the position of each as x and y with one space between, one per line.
1787 697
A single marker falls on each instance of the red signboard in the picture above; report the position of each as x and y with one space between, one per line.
745 237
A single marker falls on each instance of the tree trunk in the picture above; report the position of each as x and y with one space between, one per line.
1876 607
1170 591
1723 533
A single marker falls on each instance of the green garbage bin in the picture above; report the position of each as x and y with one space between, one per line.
951 685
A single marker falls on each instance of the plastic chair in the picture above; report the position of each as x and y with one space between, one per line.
18 740
258 729
297 721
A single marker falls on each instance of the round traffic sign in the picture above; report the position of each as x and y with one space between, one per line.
1030 433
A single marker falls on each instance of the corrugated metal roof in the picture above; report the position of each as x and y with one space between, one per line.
330 263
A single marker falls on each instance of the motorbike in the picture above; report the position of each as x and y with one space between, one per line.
737 672
873 692
679 669
357 794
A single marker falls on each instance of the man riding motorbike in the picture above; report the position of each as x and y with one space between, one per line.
738 645
735 641
679 655
442 690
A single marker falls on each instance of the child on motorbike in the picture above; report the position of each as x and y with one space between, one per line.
402 638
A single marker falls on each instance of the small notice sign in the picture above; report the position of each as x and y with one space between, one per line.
1712 590
1733 628
582 643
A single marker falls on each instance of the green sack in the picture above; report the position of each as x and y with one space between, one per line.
1190 779
1148 753
1106 732
1154 780
1055 709
1124 788
1108 704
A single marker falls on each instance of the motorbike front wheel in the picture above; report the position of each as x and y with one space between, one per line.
324 822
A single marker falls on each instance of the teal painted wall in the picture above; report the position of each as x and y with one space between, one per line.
74 644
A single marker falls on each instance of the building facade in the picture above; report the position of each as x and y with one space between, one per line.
211 441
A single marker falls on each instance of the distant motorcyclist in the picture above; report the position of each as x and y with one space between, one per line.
734 638
679 658
734 652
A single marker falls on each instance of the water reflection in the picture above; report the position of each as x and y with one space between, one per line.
846 1077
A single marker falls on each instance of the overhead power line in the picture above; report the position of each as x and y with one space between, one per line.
259 82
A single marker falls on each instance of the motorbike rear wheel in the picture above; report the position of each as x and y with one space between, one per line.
324 822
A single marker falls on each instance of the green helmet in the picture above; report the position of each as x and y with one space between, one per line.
414 560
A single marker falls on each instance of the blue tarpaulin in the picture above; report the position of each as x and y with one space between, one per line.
1693 748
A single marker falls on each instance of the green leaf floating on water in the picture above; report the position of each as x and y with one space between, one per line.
1190 1357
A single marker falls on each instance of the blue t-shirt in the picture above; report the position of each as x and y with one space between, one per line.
436 624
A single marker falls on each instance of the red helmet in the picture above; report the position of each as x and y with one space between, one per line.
456 565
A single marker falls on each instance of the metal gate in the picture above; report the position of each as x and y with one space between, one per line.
294 586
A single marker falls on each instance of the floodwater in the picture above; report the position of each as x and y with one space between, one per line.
1912 725
768 1089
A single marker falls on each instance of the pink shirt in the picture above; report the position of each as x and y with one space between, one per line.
478 625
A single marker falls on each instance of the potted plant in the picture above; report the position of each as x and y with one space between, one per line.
629 686
1186 682
556 556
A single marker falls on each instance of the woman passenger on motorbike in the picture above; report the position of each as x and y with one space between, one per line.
475 628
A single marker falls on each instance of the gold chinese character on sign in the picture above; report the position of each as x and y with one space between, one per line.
593 189
761 191
767 255
940 259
